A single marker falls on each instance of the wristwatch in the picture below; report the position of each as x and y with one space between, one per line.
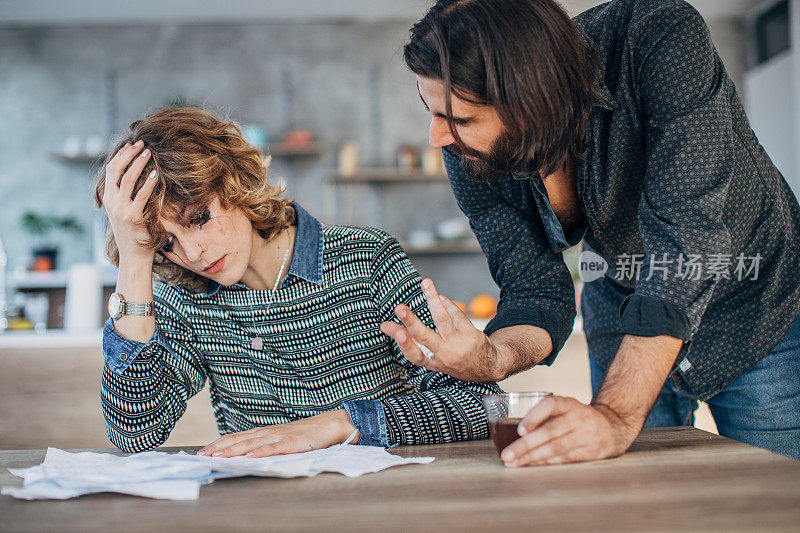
117 306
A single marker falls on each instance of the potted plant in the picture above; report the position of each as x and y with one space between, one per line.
45 254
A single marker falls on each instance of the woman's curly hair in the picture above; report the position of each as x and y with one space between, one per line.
197 157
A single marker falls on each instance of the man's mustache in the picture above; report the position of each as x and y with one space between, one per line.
463 153
485 168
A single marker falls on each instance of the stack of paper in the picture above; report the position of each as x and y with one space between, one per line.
179 476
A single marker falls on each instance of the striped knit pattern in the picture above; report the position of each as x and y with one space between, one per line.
321 347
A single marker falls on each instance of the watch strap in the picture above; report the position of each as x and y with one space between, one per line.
137 308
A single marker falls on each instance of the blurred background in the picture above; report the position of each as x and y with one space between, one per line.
318 85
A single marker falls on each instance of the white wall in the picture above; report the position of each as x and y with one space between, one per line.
771 110
794 38
771 99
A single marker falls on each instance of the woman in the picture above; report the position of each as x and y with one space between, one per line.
281 314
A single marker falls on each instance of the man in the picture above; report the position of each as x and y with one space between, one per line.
620 128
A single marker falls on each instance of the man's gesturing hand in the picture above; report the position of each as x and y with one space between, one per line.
458 348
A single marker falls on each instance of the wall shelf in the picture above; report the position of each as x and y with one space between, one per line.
388 175
79 158
56 279
275 150
289 150
367 182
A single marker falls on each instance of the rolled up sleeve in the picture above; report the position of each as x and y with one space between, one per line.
120 352
368 417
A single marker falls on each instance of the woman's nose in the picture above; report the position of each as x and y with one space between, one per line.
193 249
440 134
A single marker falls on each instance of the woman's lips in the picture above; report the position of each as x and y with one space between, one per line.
216 266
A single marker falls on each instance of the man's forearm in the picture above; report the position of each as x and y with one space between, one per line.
635 378
519 348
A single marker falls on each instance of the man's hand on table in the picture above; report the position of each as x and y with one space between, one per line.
312 433
563 430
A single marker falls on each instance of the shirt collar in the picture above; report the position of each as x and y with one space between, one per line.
606 100
307 255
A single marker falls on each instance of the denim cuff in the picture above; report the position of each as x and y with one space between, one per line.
368 418
646 316
120 352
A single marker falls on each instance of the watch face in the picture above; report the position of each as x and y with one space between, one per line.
114 305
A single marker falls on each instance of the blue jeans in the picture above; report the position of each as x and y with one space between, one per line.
761 407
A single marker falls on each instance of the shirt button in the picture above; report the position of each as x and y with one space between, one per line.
123 356
257 343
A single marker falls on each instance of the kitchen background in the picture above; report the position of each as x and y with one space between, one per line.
322 87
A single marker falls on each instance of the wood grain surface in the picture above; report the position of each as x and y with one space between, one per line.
671 479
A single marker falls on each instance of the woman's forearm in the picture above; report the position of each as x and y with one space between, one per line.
450 411
135 284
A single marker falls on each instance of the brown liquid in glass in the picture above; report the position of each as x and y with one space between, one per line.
504 432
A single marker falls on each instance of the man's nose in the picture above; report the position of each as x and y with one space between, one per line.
440 134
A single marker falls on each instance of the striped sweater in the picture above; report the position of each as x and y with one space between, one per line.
318 347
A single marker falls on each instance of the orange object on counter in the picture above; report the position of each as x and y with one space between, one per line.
483 306
42 263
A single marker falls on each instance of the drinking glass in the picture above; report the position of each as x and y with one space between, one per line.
505 412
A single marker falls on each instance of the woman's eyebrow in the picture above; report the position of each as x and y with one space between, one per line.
198 214
188 214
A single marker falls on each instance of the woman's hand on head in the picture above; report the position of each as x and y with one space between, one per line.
313 433
124 213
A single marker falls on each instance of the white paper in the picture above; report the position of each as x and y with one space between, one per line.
178 476
426 351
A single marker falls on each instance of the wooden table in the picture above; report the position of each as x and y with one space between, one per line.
671 479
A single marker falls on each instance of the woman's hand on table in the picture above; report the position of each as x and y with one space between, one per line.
312 433
456 347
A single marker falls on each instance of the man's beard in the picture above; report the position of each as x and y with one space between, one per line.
497 163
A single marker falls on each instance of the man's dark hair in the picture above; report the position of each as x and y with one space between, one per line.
526 58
